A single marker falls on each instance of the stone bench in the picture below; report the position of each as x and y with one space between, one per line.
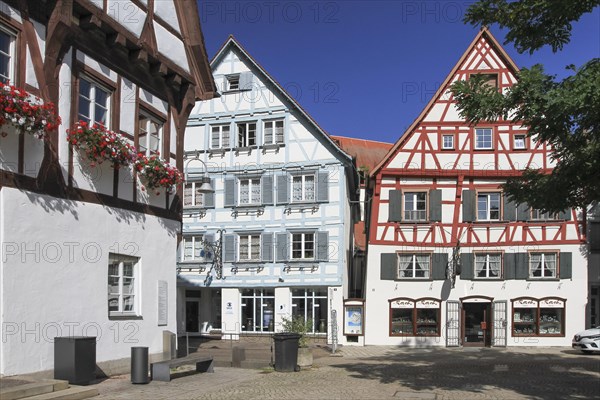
161 371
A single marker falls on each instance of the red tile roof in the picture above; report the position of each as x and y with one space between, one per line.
368 153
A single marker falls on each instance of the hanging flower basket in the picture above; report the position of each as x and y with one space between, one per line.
100 144
26 112
157 173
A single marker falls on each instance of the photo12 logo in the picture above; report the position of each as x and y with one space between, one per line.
317 12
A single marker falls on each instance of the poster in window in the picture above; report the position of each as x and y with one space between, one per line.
162 303
354 320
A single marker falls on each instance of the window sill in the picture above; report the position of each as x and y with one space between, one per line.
220 151
245 149
536 279
488 279
124 316
415 279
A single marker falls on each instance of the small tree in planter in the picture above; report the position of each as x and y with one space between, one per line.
297 324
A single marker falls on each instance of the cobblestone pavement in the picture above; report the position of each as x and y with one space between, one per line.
378 372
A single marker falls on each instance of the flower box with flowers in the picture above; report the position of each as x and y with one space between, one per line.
25 112
157 173
100 144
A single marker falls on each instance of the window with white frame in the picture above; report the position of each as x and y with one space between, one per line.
488 206
303 187
273 131
539 215
542 265
415 206
150 134
232 82
94 102
488 266
219 136
303 246
249 191
123 272
483 138
246 134
192 196
258 310
249 247
413 266
519 142
447 142
194 249
7 56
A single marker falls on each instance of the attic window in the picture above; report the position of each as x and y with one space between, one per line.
232 82
490 79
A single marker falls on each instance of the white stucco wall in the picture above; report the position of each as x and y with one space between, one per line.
54 277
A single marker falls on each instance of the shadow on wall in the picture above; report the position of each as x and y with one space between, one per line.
52 204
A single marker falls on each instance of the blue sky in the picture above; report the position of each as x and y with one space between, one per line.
366 69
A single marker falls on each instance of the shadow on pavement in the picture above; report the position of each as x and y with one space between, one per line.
534 375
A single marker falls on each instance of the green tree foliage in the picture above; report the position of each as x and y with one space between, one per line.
565 114
298 325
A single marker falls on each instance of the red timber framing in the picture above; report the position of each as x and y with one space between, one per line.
417 162
81 25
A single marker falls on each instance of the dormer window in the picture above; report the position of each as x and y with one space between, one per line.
232 82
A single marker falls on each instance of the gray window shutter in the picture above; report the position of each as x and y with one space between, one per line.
322 246
266 247
395 206
231 192
267 189
283 189
469 203
435 205
389 266
229 247
466 266
566 215
594 237
282 249
566 265
439 262
510 210
209 198
323 187
521 266
246 80
509 266
523 212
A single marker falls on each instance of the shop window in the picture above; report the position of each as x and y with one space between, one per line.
257 310
409 317
311 305
533 317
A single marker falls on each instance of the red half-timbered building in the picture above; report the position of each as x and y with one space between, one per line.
438 206
89 244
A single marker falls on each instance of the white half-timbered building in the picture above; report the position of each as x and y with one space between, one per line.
275 238
438 203
86 251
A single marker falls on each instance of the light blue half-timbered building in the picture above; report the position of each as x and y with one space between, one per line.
275 237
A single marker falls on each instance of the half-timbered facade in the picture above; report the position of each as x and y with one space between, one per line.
88 249
438 207
274 239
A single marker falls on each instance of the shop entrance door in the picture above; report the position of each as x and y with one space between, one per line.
192 311
476 324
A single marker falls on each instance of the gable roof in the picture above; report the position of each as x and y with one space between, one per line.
483 33
232 43
368 153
